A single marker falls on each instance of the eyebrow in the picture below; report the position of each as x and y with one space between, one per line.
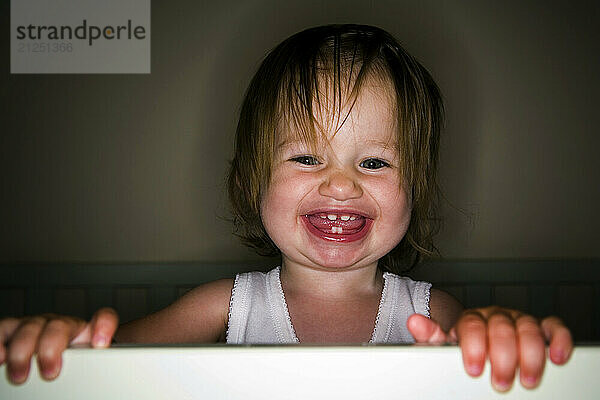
377 143
385 144
288 142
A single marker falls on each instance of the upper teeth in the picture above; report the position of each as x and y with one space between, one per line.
333 217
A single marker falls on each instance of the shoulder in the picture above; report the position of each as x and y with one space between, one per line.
215 291
211 299
204 310
444 308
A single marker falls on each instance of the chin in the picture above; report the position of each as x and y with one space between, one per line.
340 260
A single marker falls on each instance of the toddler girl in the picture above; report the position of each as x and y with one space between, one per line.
335 170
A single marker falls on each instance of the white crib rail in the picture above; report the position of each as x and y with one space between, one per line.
292 372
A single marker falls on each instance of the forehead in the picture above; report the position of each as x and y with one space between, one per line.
372 113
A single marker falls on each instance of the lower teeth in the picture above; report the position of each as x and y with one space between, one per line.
335 229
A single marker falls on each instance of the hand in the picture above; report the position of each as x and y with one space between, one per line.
510 338
48 335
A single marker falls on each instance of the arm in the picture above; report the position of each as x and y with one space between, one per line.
444 309
198 316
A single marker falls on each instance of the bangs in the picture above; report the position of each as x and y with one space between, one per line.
321 85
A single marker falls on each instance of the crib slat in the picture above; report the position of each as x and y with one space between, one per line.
596 315
160 297
478 296
12 302
455 290
575 308
39 300
98 297
70 301
512 296
542 300
130 303
181 290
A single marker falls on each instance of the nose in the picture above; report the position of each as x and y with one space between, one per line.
340 186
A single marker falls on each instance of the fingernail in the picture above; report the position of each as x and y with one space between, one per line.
529 381
99 340
473 369
18 376
50 372
501 386
557 356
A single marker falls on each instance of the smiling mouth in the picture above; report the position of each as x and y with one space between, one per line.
338 226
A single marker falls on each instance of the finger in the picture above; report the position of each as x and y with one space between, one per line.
487 312
452 335
471 334
425 330
532 351
502 350
7 328
54 339
560 339
21 348
103 326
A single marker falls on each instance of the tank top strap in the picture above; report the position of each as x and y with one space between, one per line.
401 297
279 309
257 310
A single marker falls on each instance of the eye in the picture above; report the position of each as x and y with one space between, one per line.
306 160
374 163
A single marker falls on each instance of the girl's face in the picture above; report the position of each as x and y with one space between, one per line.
341 206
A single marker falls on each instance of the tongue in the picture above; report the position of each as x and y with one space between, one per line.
325 224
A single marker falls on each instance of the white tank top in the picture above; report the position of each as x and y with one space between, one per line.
258 312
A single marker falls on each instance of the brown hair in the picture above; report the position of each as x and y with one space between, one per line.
340 58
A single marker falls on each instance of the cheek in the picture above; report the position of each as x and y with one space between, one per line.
268 209
277 207
396 210
403 208
268 214
284 194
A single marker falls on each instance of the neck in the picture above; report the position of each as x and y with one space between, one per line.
330 284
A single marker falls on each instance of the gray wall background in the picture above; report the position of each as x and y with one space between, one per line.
130 168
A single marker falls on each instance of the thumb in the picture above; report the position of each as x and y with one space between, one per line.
100 330
425 330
